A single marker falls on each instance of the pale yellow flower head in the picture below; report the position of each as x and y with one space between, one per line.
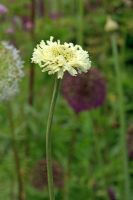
55 57
111 25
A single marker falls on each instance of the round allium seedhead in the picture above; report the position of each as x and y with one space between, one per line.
55 57
86 91
39 175
3 9
111 25
11 71
130 141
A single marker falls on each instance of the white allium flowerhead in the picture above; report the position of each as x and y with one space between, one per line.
11 71
55 57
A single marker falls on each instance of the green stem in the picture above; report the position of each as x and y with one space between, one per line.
80 24
21 194
71 153
99 156
72 10
49 140
121 118
54 6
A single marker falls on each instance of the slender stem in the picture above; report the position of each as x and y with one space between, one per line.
80 24
12 187
97 148
104 2
55 6
48 4
41 8
49 139
71 153
31 73
31 84
72 3
73 141
121 118
32 69
21 194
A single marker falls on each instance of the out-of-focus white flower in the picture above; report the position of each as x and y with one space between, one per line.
111 25
11 71
55 57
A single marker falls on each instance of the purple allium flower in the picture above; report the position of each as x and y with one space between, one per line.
39 175
86 91
27 23
3 9
111 193
130 141
55 15
10 30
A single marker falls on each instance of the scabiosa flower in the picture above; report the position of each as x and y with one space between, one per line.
55 57
86 91
11 70
39 175
3 9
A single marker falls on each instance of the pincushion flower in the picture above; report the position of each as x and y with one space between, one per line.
55 57
11 71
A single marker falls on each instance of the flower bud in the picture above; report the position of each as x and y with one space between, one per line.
111 25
